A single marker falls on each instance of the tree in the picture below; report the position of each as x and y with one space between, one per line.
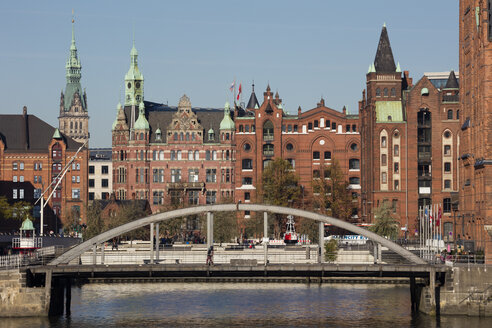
95 223
19 210
225 224
280 186
331 195
331 249
386 225
128 213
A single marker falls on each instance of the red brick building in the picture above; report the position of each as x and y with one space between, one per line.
309 140
32 153
409 141
475 169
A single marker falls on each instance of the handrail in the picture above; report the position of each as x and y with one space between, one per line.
475 292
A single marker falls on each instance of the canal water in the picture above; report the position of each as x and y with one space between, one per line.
242 305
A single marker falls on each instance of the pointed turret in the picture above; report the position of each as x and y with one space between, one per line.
452 82
116 120
141 123
227 123
253 101
384 61
57 134
134 80
73 75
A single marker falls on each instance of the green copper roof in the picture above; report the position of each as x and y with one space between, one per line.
27 225
73 75
389 111
57 134
372 69
398 69
227 123
141 123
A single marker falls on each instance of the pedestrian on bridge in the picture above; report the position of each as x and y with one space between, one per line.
210 256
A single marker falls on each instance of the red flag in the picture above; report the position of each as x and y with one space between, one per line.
439 216
239 91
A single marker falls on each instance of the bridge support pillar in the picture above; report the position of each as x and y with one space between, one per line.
94 255
102 253
157 241
413 294
377 253
321 242
210 230
265 237
151 243
68 295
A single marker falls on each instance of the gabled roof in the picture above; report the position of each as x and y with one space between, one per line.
384 61
452 82
29 133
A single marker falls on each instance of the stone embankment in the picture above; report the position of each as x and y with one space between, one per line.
17 300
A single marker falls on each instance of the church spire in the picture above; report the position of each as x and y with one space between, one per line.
73 75
384 61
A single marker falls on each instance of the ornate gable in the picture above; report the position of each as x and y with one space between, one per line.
184 125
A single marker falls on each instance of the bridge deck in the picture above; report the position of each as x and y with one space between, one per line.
227 270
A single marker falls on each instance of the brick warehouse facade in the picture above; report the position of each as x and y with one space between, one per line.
409 141
475 169
32 153
309 140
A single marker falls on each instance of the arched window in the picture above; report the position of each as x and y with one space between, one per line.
393 92
385 92
378 92
268 131
207 155
175 136
161 155
197 155
187 136
240 128
214 155
458 114
246 128
450 114
179 155
268 150
141 136
190 155
181 136
383 141
71 125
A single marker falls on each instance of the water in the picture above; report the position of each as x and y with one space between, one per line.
242 305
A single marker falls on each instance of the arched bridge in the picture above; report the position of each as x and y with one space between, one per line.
156 218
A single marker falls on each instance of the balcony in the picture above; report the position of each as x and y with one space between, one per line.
425 156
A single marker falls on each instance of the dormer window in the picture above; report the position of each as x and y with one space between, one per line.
158 136
211 135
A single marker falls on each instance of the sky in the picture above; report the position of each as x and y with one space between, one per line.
305 50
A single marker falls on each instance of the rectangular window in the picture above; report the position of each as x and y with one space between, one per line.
173 155
14 166
21 166
155 175
447 184
158 197
35 179
383 142
334 126
315 154
175 175
14 193
397 167
384 160
327 155
211 175
14 178
192 175
384 178
104 169
211 197
78 178
247 196
397 184
446 205
396 150
105 195
447 167
91 196
394 205
92 169
37 193
21 193
247 181
193 197
73 178
292 162
91 183
76 193
447 150
104 183
316 174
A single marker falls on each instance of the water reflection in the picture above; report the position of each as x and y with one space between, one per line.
244 305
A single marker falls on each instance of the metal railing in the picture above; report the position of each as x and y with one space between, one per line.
22 242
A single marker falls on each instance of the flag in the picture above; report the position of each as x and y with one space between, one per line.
430 216
439 216
239 91
233 84
426 214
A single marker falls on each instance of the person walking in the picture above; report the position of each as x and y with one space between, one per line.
210 256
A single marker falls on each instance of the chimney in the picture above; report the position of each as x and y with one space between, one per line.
24 111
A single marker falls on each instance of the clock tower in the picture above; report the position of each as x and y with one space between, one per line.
74 118
133 81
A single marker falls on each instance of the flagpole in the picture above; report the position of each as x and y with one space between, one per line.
420 232
234 100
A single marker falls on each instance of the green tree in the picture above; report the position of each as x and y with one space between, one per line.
331 250
280 186
386 225
225 224
19 210
331 195
126 214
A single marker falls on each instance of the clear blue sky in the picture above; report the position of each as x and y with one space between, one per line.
304 49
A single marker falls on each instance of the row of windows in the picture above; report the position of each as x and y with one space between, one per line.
18 166
248 128
191 197
104 195
174 155
76 178
104 169
450 114
104 183
385 92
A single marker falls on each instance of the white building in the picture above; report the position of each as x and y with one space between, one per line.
100 174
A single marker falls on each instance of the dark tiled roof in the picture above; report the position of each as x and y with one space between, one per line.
100 154
452 82
140 203
253 101
160 115
384 61
29 133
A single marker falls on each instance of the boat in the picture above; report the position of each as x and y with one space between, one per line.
290 236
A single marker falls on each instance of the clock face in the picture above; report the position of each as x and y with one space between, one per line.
129 85
137 85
